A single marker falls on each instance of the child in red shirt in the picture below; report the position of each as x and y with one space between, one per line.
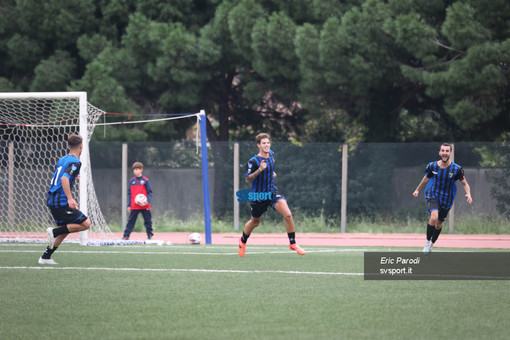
139 185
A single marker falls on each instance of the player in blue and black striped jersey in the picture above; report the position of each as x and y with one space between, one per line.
260 172
441 177
59 199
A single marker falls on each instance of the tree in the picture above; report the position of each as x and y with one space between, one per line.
356 60
54 73
302 70
457 64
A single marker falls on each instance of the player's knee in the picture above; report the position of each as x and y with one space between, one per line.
433 221
288 216
86 225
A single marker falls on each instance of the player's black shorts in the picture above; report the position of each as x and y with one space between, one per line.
433 204
258 208
65 215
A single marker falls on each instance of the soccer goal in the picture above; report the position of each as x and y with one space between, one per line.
34 129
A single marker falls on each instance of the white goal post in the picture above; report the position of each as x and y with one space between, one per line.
34 127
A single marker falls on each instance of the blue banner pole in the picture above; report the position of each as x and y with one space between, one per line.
205 177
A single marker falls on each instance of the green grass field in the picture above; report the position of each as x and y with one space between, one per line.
208 292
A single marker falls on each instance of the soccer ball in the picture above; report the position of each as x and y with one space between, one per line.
140 199
195 238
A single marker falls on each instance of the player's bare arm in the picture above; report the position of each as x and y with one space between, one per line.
467 188
423 182
257 172
66 186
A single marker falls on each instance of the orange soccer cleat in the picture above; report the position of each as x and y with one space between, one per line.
242 248
297 249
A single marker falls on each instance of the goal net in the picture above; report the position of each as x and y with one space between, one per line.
34 128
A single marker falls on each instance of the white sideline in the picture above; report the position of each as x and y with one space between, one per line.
227 271
180 252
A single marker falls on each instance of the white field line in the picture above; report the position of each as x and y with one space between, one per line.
186 270
227 271
179 252
189 247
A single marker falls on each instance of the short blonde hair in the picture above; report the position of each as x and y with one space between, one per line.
261 136
137 165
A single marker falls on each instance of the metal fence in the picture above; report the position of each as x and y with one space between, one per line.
380 180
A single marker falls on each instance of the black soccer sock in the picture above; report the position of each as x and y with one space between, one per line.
244 238
47 254
60 230
436 234
292 237
430 231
